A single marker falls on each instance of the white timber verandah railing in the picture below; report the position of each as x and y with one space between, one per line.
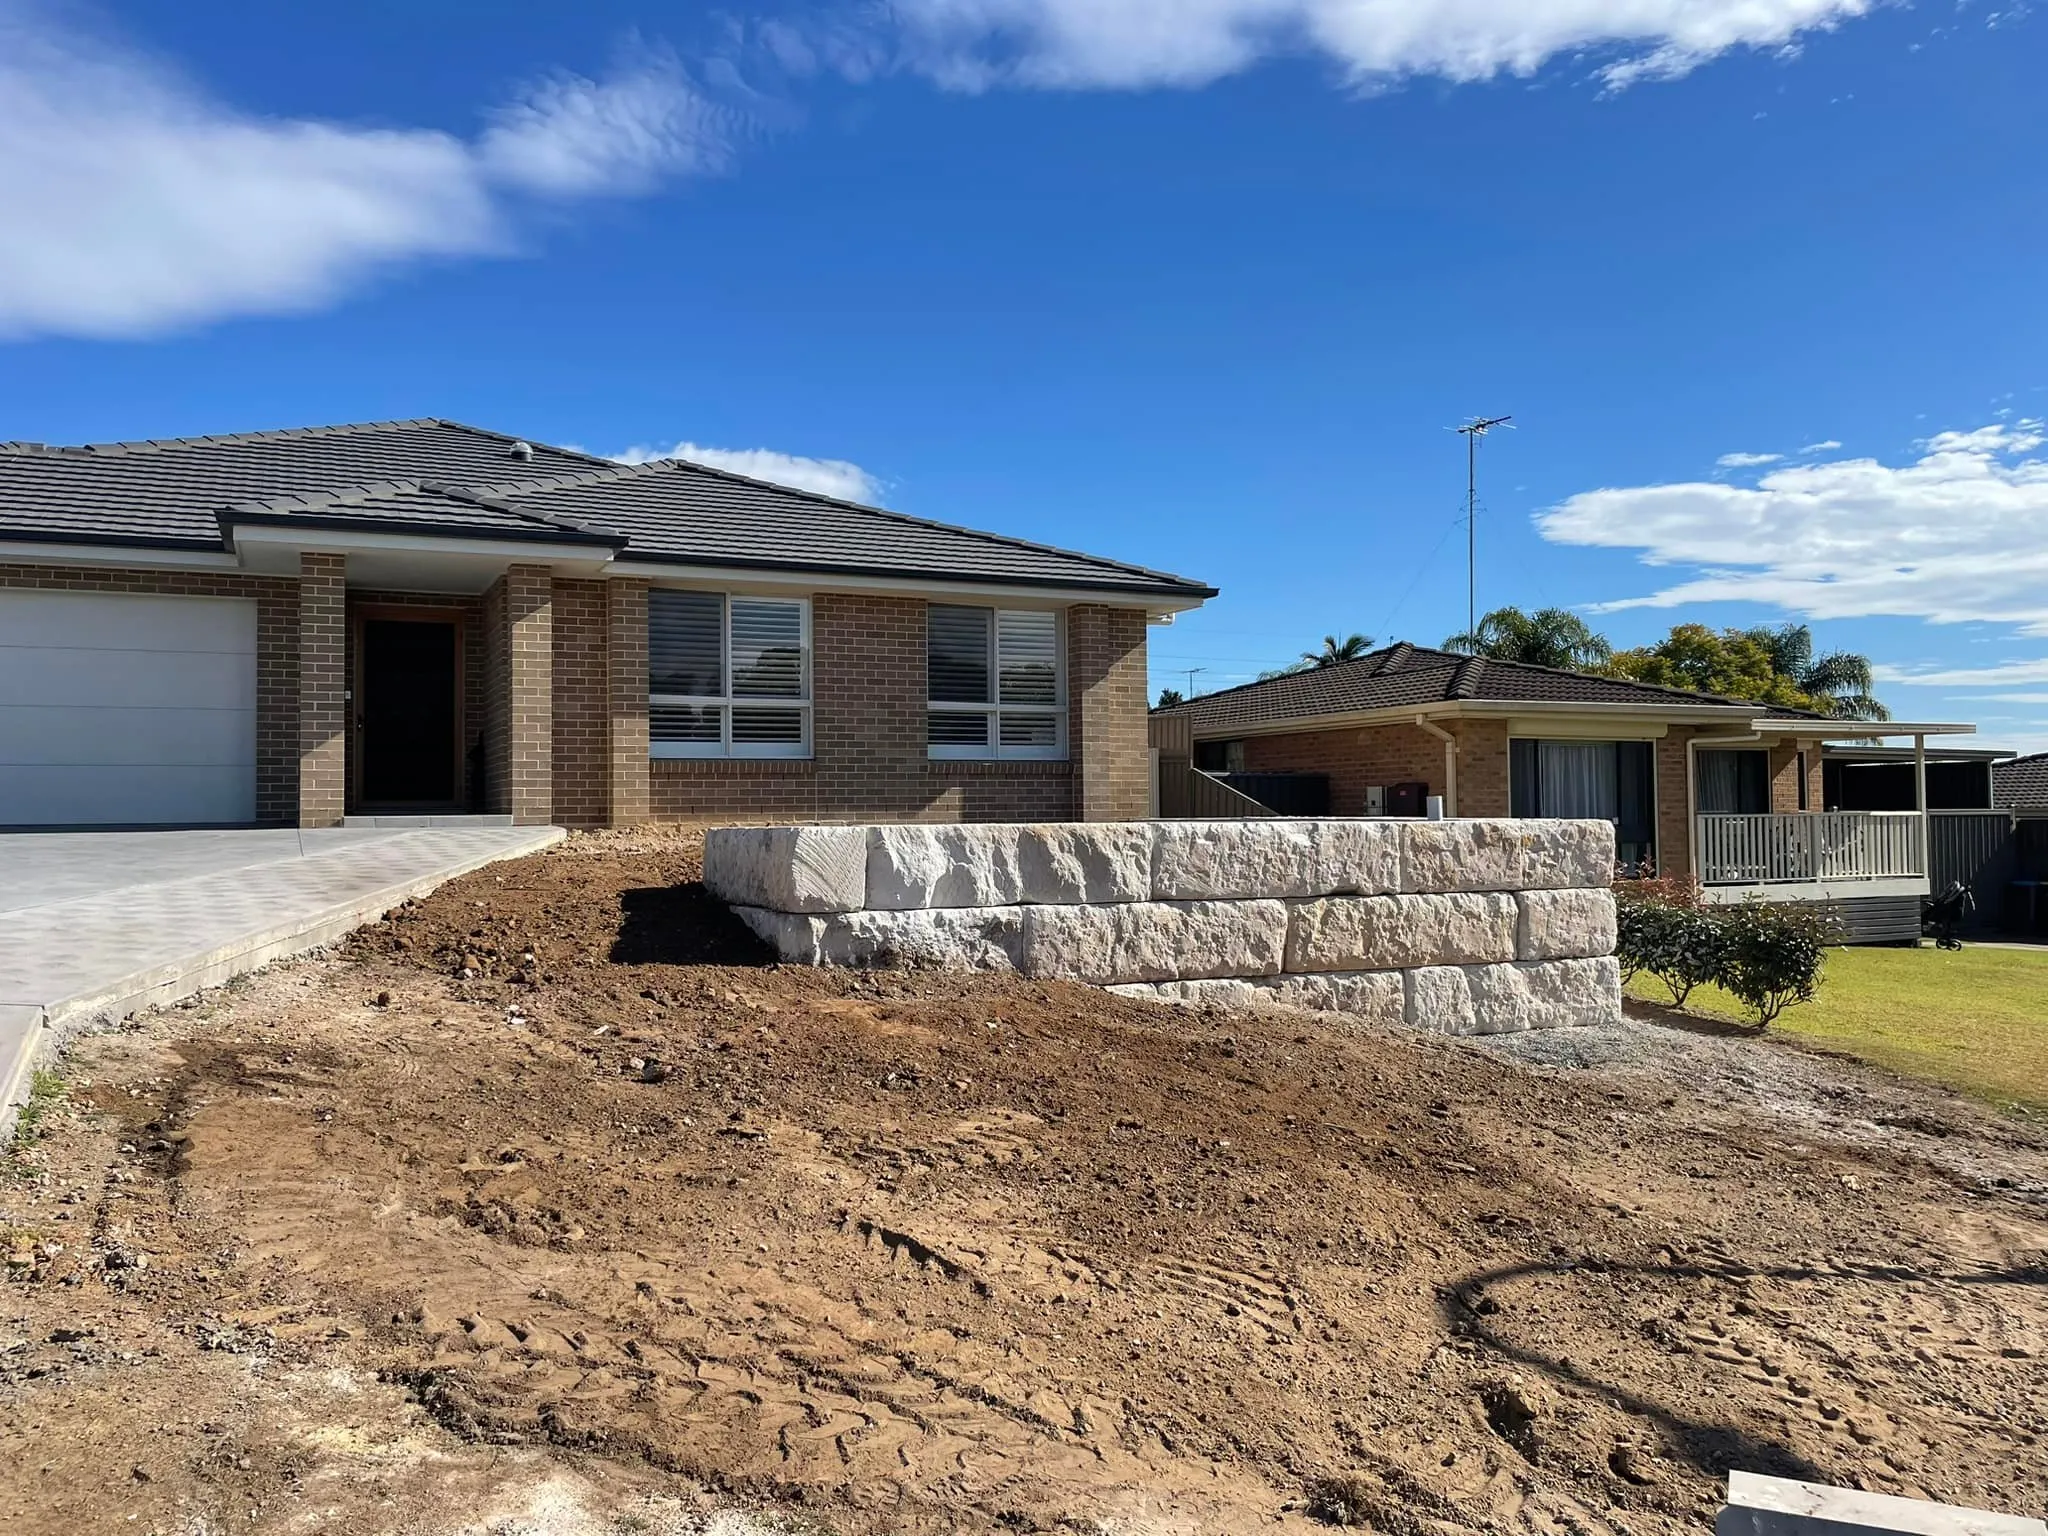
1807 847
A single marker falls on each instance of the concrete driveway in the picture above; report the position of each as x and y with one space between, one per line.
95 925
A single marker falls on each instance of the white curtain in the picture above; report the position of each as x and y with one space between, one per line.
1578 779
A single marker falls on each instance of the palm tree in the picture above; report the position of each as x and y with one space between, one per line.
1838 684
1549 637
1334 651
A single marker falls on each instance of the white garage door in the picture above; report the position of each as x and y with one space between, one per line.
119 709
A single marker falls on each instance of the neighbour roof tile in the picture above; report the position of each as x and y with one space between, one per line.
1405 675
2021 783
439 477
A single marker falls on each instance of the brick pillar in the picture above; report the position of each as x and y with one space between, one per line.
530 695
323 680
1106 694
626 692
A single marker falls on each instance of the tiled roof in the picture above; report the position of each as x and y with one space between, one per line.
1404 676
169 492
440 477
2021 783
700 516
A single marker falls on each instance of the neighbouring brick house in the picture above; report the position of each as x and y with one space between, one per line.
1694 783
420 617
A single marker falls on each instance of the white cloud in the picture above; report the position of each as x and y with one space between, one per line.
827 477
1825 445
1746 460
1953 536
1968 677
139 204
974 44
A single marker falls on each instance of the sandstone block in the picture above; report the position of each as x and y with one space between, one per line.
1377 933
1505 855
1565 925
1242 860
1439 998
1155 940
1547 994
1505 999
788 869
953 939
911 867
1376 996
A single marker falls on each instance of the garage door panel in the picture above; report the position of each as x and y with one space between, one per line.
188 738
119 621
125 710
73 796
123 679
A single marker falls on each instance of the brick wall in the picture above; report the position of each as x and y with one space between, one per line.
277 655
581 718
323 683
1785 776
1106 698
626 686
1674 810
1355 757
867 739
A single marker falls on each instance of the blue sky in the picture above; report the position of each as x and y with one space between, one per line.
1199 283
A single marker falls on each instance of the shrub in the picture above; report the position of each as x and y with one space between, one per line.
1773 952
1664 928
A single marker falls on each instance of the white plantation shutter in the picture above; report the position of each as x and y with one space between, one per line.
710 658
995 683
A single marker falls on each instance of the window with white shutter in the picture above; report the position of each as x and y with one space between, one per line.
996 685
728 676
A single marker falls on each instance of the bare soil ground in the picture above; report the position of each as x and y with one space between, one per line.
548 1205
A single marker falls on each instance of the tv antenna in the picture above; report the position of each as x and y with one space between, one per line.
1472 431
1191 672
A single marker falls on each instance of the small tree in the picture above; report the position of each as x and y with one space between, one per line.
1773 954
1170 698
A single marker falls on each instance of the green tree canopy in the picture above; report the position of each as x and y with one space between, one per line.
1549 637
1170 698
1772 665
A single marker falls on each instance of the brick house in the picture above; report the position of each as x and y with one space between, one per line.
1729 789
424 618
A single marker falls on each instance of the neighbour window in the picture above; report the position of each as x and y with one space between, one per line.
728 676
1733 783
1610 780
994 683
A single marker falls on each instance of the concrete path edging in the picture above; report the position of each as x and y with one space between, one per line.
31 1032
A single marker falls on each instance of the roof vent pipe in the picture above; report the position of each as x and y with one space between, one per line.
522 450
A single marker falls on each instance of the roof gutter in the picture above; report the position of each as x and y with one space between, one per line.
1491 709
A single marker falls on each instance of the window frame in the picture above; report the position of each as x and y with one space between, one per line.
992 749
725 748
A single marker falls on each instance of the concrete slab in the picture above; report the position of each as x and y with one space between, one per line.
1783 1506
98 925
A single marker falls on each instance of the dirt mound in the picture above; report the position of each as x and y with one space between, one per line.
556 1155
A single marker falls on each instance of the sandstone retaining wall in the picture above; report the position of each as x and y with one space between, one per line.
1465 927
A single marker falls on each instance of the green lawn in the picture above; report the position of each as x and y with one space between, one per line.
1975 1019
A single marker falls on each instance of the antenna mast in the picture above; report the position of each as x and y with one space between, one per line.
1472 431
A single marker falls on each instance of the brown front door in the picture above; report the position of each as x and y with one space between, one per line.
408 711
